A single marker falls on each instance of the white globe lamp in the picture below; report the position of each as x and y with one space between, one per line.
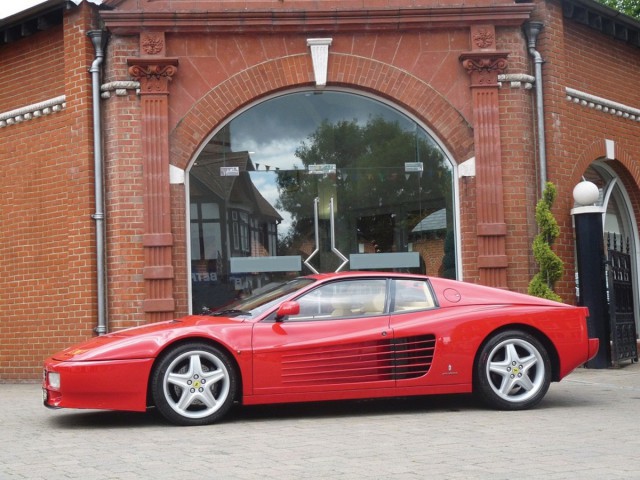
586 193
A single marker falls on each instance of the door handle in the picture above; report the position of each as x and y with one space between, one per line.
316 201
332 226
344 259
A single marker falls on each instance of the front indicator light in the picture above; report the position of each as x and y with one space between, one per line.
54 380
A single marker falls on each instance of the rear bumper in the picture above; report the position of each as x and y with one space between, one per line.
594 345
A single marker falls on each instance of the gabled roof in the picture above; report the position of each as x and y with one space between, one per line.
431 223
238 189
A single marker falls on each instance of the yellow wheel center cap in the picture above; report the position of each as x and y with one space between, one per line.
516 370
197 384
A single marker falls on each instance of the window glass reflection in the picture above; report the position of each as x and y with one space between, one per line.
300 182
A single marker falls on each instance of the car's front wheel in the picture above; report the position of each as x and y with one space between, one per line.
513 371
194 384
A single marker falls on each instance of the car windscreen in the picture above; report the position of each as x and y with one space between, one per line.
257 303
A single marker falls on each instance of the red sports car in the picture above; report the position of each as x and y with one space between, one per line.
330 337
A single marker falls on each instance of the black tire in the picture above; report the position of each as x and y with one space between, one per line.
513 371
194 384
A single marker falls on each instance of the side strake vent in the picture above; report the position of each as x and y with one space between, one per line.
413 356
374 361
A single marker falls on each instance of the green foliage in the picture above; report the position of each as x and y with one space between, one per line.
550 265
370 178
628 7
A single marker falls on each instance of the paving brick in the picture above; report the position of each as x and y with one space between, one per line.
583 429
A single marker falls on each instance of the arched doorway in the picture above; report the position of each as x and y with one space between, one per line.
619 225
317 181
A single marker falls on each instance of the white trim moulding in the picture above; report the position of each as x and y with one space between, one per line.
120 88
30 112
517 80
602 104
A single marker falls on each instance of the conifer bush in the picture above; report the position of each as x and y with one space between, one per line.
550 265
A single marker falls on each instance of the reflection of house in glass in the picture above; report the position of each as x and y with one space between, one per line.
428 238
229 219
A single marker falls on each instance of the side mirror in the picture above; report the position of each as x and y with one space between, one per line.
286 309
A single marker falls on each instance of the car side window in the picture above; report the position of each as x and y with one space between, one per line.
411 295
343 299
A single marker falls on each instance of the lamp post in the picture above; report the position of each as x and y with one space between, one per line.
591 267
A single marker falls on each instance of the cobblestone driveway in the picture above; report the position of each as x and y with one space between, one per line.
588 427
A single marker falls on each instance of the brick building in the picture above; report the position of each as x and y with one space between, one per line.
232 144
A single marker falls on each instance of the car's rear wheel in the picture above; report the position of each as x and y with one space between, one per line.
513 371
194 384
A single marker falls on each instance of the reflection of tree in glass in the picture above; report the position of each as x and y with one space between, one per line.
374 192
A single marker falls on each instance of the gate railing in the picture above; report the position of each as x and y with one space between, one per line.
620 295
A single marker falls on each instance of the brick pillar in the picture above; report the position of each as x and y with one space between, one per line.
484 64
154 74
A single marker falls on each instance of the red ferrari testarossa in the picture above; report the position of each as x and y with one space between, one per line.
330 337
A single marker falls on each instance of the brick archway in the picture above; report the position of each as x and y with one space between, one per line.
596 150
383 80
623 164
285 73
617 163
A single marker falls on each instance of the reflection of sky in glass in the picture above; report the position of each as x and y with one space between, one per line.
274 129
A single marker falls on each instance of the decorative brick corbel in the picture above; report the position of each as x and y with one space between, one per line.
484 67
154 77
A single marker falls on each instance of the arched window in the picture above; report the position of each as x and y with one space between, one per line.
618 219
317 181
613 196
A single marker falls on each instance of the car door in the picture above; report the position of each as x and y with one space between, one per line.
414 321
340 340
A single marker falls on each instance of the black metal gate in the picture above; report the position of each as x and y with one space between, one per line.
620 295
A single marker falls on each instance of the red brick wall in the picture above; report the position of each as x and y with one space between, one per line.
47 257
579 57
46 253
124 187
432 252
519 174
418 71
216 76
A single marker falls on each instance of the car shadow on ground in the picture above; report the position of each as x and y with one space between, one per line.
71 419
354 408
83 419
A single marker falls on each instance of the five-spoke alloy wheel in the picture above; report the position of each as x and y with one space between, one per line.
513 371
194 384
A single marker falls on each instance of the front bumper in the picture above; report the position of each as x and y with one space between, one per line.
106 385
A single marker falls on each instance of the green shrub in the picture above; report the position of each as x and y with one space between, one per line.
551 267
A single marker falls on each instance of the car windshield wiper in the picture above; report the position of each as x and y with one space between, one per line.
229 312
